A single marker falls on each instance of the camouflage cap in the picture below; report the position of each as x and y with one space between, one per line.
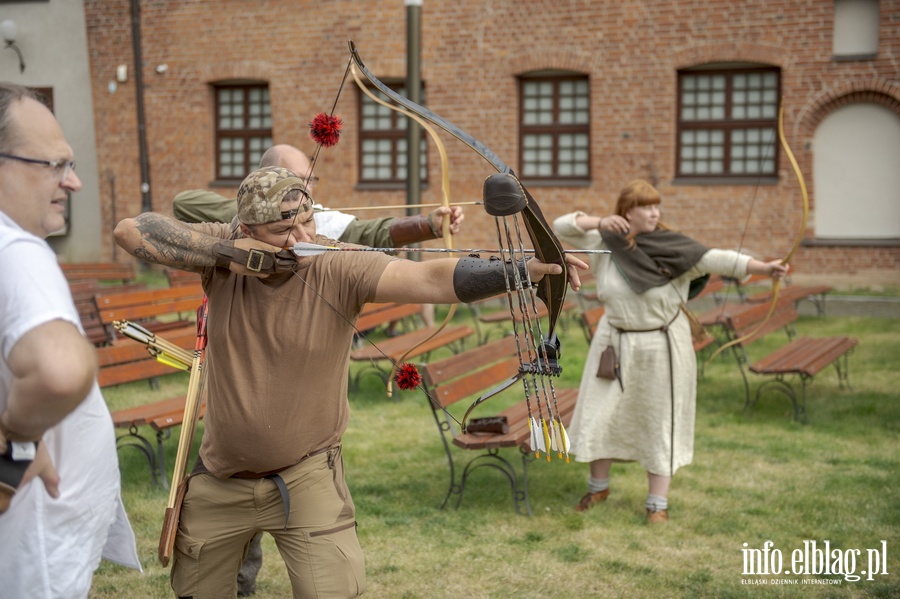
261 193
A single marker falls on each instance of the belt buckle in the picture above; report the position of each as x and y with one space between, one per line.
255 259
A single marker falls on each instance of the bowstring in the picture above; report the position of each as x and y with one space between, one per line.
732 281
541 367
542 361
343 316
315 156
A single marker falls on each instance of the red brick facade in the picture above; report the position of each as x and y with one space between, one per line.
472 52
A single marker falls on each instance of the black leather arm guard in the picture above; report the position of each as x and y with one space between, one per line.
254 259
475 279
15 462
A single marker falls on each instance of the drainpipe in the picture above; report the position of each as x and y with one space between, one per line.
414 93
146 200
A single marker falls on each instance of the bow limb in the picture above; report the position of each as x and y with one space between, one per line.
552 288
776 284
445 222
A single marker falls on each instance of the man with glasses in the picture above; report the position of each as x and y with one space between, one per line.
54 423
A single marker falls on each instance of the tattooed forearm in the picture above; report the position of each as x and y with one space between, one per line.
166 241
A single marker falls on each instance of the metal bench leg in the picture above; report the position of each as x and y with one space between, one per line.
493 459
842 366
785 387
134 439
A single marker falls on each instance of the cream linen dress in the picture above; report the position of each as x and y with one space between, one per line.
652 420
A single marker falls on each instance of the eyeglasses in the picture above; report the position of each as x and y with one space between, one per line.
61 168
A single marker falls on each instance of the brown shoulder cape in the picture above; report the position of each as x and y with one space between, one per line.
655 259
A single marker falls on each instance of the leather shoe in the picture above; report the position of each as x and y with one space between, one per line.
591 499
657 517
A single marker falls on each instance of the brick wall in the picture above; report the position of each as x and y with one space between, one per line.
471 53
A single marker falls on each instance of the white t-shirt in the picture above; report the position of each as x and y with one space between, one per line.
51 547
331 223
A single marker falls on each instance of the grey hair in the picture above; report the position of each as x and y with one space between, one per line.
9 94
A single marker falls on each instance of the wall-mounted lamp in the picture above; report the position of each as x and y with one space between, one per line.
10 31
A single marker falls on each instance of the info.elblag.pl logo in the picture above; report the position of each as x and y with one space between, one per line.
816 558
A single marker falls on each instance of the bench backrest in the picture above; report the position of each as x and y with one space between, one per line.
128 361
471 372
178 277
590 318
376 315
743 319
99 271
83 292
151 303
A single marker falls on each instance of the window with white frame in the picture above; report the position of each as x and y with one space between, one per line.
383 142
243 128
554 127
728 123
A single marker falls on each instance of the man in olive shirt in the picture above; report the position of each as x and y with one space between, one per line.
199 205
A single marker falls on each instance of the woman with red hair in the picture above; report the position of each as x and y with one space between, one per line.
643 410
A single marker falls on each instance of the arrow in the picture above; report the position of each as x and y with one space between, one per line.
304 249
396 207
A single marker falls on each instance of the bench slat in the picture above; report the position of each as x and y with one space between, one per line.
376 315
804 355
393 348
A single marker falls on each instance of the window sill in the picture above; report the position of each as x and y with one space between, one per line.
761 180
556 182
385 186
853 57
855 242
231 183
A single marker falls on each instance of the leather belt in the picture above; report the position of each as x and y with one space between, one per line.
279 482
257 475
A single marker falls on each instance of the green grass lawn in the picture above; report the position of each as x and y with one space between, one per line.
755 478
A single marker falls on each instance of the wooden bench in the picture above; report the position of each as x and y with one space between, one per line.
467 375
99 271
83 292
713 288
129 361
589 319
802 358
157 310
502 314
375 316
178 278
383 354
792 293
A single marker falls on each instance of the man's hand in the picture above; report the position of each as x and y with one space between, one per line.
456 217
537 270
41 466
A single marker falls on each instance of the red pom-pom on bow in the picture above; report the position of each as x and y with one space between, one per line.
325 129
408 377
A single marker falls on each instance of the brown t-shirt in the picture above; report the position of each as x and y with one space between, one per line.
277 358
